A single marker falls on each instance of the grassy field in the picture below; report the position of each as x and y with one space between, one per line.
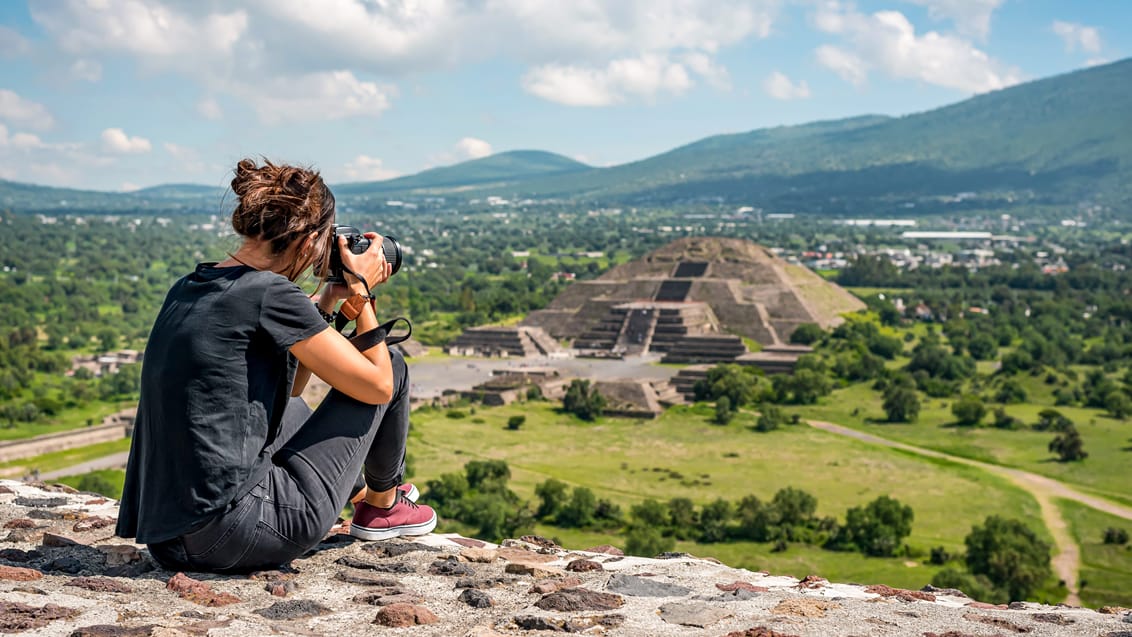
1105 568
62 459
1104 472
73 418
682 455
114 477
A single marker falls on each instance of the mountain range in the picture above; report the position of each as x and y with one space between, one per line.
1055 141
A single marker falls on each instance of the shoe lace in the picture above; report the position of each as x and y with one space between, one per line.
403 499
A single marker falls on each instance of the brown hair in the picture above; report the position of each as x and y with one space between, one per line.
280 204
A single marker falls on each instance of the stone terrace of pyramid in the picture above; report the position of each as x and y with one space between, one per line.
691 293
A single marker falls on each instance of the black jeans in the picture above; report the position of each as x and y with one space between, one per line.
317 461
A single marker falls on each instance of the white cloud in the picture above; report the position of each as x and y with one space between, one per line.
115 140
129 186
19 141
17 110
366 168
1078 36
472 148
778 86
588 43
209 108
1096 61
971 17
12 43
887 41
88 70
645 76
330 95
157 32
847 65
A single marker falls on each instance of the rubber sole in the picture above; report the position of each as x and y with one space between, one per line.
366 533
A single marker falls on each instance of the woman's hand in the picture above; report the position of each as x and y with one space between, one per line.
370 264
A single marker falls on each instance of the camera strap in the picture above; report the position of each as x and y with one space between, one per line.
381 333
367 340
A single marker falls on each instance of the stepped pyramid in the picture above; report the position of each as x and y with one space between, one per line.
697 294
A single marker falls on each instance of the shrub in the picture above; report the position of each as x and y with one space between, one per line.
1114 535
976 587
939 556
515 422
723 411
647 542
770 417
552 497
456 414
969 410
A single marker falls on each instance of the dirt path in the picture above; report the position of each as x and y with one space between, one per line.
1067 560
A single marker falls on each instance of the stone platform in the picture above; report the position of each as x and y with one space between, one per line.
62 572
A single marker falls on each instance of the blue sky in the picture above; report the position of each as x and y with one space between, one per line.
121 94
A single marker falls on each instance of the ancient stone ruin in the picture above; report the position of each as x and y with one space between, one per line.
62 572
504 342
693 299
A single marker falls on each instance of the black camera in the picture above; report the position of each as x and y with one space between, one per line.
358 243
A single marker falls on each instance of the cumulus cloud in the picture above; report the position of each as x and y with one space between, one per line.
594 44
887 41
17 110
473 148
115 140
1078 36
87 70
209 108
330 95
645 76
19 141
780 87
847 65
366 168
971 17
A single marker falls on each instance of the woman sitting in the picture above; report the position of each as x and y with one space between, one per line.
229 469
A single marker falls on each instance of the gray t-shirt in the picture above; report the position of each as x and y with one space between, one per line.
216 377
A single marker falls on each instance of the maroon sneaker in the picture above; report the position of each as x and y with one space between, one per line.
409 489
405 517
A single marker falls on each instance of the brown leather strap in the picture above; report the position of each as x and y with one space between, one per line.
352 306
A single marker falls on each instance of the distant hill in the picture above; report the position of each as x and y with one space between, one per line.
1056 141
1060 139
499 170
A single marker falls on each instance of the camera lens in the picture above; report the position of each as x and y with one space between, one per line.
392 251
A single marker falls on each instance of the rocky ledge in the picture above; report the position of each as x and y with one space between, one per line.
62 572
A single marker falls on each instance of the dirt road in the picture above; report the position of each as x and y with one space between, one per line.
1067 560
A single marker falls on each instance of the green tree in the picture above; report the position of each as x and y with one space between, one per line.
714 518
983 347
578 512
739 383
1068 446
1011 556
583 400
683 519
552 495
876 529
1052 420
1117 405
969 410
650 513
901 404
806 334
